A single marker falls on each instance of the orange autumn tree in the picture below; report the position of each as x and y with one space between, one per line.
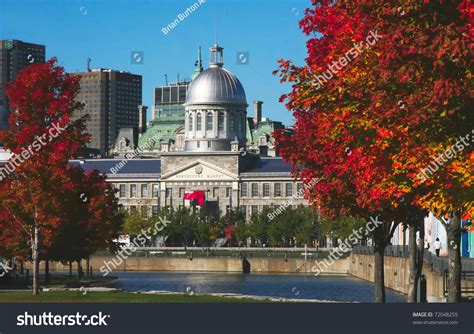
334 138
377 116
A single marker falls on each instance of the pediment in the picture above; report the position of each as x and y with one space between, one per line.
200 171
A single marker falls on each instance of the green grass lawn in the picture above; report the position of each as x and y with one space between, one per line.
109 297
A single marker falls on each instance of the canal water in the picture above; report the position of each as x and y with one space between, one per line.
334 288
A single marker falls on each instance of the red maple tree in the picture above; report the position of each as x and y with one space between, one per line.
369 116
38 185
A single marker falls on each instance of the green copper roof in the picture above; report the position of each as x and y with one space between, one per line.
198 66
266 127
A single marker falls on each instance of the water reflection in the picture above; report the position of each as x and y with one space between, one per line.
336 288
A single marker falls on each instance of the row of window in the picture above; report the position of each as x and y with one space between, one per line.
213 193
247 210
133 190
142 190
266 189
145 210
234 122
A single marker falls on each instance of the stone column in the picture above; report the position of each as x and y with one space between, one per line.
162 194
204 123
235 195
194 123
226 123
215 117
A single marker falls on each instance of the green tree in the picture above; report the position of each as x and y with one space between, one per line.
134 224
258 227
342 227
308 227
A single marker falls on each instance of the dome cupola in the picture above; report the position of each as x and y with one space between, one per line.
216 108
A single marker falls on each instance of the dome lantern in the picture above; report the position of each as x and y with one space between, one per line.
216 108
216 58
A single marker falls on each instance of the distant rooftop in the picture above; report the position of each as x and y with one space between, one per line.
107 166
270 165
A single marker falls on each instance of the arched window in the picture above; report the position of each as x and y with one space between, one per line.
244 123
190 123
220 121
198 122
209 121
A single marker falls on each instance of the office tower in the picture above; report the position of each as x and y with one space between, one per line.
14 56
111 99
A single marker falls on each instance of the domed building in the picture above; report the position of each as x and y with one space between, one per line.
207 153
216 108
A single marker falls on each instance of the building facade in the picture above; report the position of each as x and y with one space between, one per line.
213 159
434 229
111 99
14 56
230 181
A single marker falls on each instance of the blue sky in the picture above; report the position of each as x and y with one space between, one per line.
108 31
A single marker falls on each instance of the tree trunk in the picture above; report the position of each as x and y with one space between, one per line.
421 248
416 259
413 278
35 257
88 266
79 268
454 257
46 271
379 275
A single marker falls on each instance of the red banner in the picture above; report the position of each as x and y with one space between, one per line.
198 196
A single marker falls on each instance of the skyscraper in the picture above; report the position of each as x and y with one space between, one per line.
14 56
111 100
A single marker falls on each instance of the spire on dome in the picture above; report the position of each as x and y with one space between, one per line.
198 65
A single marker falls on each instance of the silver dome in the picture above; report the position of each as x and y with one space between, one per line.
215 85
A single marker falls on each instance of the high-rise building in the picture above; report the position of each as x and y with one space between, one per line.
111 99
14 56
167 121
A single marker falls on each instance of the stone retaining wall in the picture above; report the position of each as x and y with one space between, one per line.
397 274
252 265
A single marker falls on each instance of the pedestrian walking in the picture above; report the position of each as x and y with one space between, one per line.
437 245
